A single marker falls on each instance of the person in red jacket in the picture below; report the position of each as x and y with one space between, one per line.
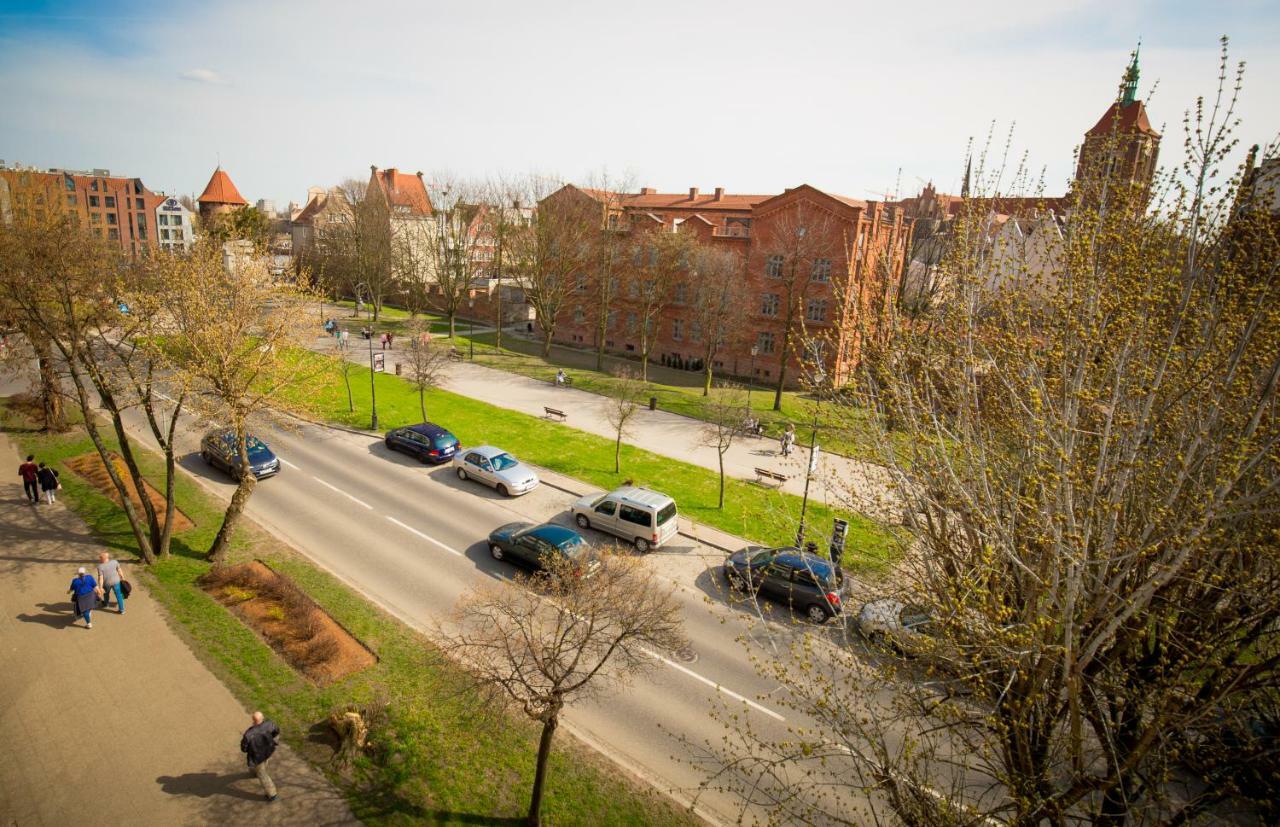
28 471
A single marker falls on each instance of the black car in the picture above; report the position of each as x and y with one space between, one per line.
528 545
426 441
799 579
218 449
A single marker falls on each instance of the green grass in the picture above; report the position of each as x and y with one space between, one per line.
446 762
761 514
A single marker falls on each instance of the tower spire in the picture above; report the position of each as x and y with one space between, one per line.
964 187
1131 79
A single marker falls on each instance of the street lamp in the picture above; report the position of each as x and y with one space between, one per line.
819 375
471 328
373 388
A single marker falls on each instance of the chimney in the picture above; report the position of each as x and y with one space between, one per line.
647 191
719 193
693 193
391 172
373 167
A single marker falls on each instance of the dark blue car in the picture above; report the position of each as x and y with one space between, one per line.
426 441
218 449
529 545
804 581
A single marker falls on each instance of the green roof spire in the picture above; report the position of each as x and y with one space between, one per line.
1131 79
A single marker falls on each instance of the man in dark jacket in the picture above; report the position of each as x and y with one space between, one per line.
259 744
28 471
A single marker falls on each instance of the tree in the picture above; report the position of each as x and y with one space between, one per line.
426 362
363 254
506 217
660 261
610 258
717 299
547 255
452 252
1093 475
621 408
243 224
725 420
233 338
545 641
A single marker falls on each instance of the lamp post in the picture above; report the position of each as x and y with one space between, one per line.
373 388
818 377
471 328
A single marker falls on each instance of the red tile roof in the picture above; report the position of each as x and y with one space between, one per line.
404 190
682 201
1124 120
220 190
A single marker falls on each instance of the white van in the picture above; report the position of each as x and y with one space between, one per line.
637 515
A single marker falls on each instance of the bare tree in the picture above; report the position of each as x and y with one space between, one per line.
363 254
621 408
508 214
725 421
543 642
660 262
610 257
425 360
548 255
716 296
452 252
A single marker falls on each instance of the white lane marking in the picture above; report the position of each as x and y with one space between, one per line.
290 464
165 397
713 684
426 537
343 493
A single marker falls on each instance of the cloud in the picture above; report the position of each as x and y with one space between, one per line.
202 76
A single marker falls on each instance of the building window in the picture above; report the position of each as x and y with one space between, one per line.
578 316
633 290
816 310
633 323
580 284
822 269
677 329
682 291
139 203
93 199
773 266
95 217
142 233
164 220
111 218
113 234
177 235
71 200
142 220
164 235
769 304
765 342
612 320
94 185
695 331
111 201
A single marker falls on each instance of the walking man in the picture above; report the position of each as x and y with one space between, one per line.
84 593
342 344
48 482
258 744
110 576
30 481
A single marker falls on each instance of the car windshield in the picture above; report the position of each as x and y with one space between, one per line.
761 556
574 547
668 511
255 445
503 461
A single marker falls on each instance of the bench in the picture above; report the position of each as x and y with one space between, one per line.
766 474
565 383
456 355
552 413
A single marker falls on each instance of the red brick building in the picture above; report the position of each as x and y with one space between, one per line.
220 196
818 272
117 209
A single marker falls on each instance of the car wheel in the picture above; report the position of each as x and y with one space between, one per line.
496 551
642 545
582 521
462 473
204 455
817 613
502 489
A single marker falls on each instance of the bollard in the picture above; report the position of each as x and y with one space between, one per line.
397 368
653 403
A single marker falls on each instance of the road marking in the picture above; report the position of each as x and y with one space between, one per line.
343 493
426 537
164 396
713 684
290 464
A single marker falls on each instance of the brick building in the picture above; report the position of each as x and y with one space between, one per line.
220 196
115 208
818 272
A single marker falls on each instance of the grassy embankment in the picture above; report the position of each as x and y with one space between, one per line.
442 760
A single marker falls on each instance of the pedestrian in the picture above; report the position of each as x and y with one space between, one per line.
785 439
48 482
110 578
382 340
258 744
29 472
391 340
84 594
343 344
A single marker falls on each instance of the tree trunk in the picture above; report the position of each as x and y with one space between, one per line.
55 417
218 551
422 403
540 774
546 343
706 376
644 356
722 477
346 378
453 315
617 453
782 366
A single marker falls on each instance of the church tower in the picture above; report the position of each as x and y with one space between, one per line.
1119 154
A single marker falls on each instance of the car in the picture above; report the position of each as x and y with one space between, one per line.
643 517
426 441
906 627
496 468
218 450
799 579
529 545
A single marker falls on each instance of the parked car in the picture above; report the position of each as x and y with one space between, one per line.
799 579
904 626
529 545
218 450
638 515
497 469
426 441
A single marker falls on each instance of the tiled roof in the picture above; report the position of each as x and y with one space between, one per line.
1125 120
404 190
220 190
682 201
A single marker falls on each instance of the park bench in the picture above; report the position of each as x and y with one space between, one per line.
766 474
456 355
553 413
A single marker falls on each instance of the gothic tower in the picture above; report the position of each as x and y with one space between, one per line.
1119 154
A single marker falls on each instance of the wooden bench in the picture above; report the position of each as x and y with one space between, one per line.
552 413
766 474
456 355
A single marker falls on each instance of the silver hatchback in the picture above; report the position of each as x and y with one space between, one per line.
495 468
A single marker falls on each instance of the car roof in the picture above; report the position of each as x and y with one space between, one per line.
634 494
428 429
486 451
794 557
228 433
554 534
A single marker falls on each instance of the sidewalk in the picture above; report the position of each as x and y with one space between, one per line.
840 481
118 724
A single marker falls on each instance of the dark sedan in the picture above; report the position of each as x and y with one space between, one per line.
529 545
426 441
218 449
798 579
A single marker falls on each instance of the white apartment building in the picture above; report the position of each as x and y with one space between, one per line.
174 228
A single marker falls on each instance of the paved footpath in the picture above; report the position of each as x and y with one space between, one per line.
118 724
850 483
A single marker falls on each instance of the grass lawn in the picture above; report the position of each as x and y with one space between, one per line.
444 762
761 514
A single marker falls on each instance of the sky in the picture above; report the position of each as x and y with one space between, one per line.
859 98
